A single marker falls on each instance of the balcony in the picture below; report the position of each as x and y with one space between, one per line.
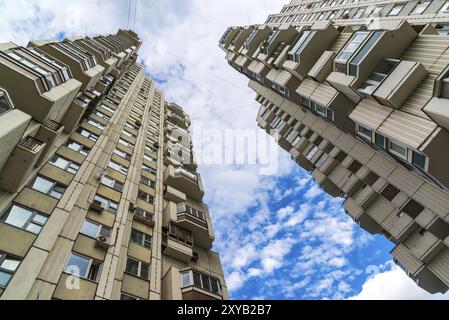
364 52
190 219
48 133
308 47
41 96
227 37
82 63
13 124
326 184
177 243
239 38
276 43
177 120
173 107
20 163
185 181
251 45
144 216
365 197
74 115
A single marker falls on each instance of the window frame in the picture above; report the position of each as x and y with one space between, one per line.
55 185
29 221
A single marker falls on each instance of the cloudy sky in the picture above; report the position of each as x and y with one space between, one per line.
279 236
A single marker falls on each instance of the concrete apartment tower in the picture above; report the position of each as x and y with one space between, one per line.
358 92
99 194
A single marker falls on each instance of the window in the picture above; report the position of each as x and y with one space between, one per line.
96 124
94 230
107 108
128 297
126 143
320 110
83 267
341 156
364 132
117 167
101 115
396 9
89 135
194 278
359 13
8 266
413 208
48 187
63 70
380 141
64 164
353 67
355 166
312 152
372 83
140 238
445 8
45 74
350 48
183 208
75 146
147 182
421 7
24 218
419 160
138 268
377 10
148 169
111 183
390 192
370 179
111 206
122 154
150 159
300 44
145 197
5 104
321 160
398 150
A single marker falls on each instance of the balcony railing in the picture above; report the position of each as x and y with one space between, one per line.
180 234
31 144
53 126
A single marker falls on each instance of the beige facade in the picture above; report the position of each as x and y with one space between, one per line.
99 194
358 92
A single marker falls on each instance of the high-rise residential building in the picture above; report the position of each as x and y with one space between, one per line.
358 93
99 194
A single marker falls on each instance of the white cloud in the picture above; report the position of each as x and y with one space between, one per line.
394 284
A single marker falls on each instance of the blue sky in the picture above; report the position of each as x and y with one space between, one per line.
279 236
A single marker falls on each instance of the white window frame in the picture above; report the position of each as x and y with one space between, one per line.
402 156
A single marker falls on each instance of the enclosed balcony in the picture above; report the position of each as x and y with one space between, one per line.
47 133
252 44
82 63
185 181
308 47
13 124
173 107
240 37
38 84
227 37
192 219
437 107
276 43
177 243
75 113
177 120
20 163
102 54
363 53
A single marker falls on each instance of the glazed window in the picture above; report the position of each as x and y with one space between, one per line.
138 268
140 238
83 267
24 218
111 183
357 39
94 230
421 7
75 146
8 266
396 9
48 187
118 167
64 164
5 103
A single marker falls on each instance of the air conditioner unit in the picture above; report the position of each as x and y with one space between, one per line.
103 242
156 145
132 206
98 206
138 123
345 16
